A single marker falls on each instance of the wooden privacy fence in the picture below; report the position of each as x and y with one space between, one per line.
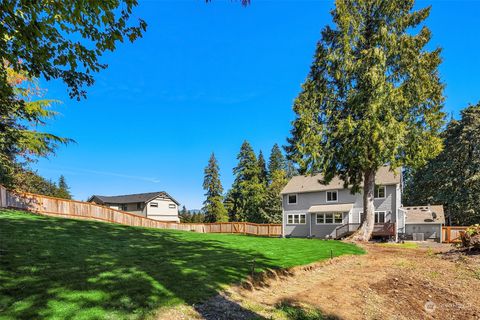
51 206
452 234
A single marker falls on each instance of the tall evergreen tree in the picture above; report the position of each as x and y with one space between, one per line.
276 161
452 178
248 191
277 180
262 165
291 169
373 96
63 188
184 215
213 205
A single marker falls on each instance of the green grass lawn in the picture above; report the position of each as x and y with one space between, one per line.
70 269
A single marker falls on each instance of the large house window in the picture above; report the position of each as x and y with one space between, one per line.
380 192
154 204
330 218
379 216
123 207
299 218
292 199
332 196
139 206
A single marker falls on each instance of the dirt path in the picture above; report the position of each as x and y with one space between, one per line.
386 283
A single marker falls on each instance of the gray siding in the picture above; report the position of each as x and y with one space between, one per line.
297 230
431 231
306 200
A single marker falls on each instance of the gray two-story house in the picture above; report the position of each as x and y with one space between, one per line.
313 209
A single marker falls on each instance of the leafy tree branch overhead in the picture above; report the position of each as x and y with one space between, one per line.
64 39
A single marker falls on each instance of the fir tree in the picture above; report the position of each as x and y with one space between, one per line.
291 169
273 199
63 189
184 215
276 161
213 205
248 191
263 176
278 180
452 178
373 96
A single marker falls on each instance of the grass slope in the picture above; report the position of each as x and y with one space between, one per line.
60 268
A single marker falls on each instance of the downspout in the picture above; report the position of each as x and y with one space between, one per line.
396 224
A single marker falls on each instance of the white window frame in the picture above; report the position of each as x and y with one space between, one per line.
375 213
292 194
384 216
153 204
299 219
172 206
384 192
326 196
344 214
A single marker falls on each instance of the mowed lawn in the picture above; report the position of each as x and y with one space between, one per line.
71 269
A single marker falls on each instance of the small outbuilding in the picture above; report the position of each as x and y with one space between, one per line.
423 223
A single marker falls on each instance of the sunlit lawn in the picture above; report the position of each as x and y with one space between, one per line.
71 269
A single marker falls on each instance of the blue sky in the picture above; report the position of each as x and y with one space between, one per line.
204 78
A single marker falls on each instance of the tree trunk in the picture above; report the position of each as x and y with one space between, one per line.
364 233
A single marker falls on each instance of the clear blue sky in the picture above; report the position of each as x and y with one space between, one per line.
204 78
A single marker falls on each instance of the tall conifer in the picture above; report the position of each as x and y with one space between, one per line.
213 205
373 96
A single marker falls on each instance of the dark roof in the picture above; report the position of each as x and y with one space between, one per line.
132 198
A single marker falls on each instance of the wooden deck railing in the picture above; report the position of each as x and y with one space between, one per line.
379 229
51 206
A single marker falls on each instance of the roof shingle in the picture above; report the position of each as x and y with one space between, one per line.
309 183
132 198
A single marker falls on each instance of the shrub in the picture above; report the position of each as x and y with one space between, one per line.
471 237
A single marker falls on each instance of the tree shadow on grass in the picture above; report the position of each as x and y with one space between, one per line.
70 269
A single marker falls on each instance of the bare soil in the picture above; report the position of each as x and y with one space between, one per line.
430 282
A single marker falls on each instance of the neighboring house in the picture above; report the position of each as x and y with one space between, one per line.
154 205
313 209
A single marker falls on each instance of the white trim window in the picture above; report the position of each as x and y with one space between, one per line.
330 218
154 204
380 216
172 206
292 198
380 192
297 218
332 196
